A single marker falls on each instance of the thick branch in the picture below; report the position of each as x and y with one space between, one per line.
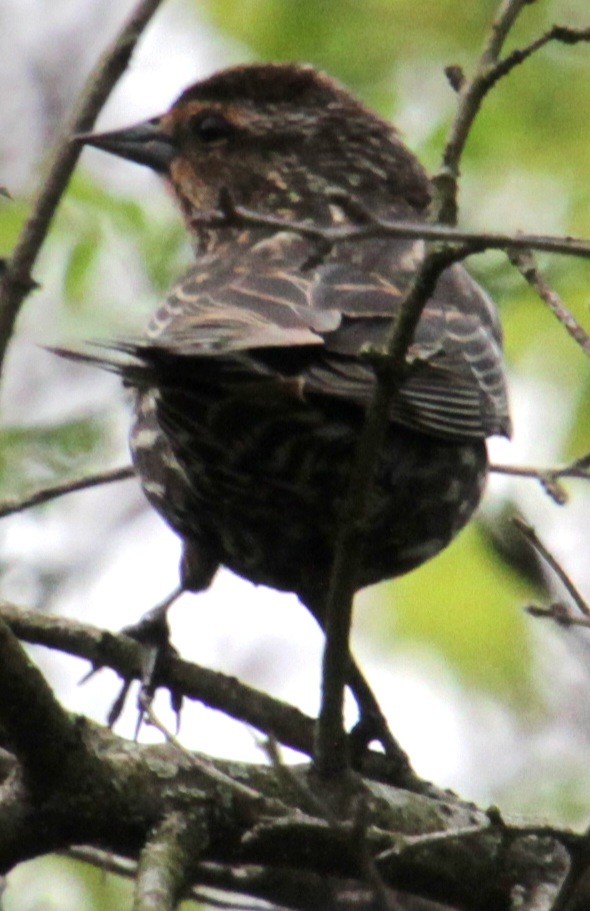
42 734
124 655
148 795
285 723
16 281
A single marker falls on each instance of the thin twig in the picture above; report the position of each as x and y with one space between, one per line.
330 754
527 266
564 34
383 899
103 860
307 799
122 866
549 478
539 474
531 536
16 280
407 843
545 477
478 241
45 494
471 95
559 612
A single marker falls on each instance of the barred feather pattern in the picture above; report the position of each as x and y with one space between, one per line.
250 396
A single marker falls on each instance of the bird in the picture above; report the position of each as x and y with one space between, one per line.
251 383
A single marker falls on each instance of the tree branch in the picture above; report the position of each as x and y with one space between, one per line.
145 806
132 795
51 492
285 723
471 95
330 750
526 264
533 539
374 226
168 860
549 478
561 33
43 736
204 764
124 655
16 281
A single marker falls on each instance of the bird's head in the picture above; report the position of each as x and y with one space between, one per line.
283 139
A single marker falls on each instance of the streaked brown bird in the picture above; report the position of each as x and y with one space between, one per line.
251 385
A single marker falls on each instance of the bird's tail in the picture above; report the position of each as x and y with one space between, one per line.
123 358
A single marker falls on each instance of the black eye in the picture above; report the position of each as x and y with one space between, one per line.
210 127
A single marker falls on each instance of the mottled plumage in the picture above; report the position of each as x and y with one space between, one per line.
251 385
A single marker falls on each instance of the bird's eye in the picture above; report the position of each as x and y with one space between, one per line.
211 127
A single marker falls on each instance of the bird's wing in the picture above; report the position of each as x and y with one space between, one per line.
315 323
455 383
262 314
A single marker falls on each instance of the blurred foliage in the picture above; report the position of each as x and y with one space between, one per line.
359 43
390 49
541 794
12 215
59 884
38 455
103 229
465 605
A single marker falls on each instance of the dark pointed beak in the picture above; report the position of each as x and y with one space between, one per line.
145 143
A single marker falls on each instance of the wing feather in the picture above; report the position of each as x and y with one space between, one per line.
261 313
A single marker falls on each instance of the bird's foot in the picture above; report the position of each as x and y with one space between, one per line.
152 632
372 727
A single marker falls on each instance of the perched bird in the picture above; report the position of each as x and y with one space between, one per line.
251 384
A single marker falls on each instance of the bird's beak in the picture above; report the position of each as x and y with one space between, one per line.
145 143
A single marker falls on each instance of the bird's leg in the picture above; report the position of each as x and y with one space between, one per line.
372 724
197 568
